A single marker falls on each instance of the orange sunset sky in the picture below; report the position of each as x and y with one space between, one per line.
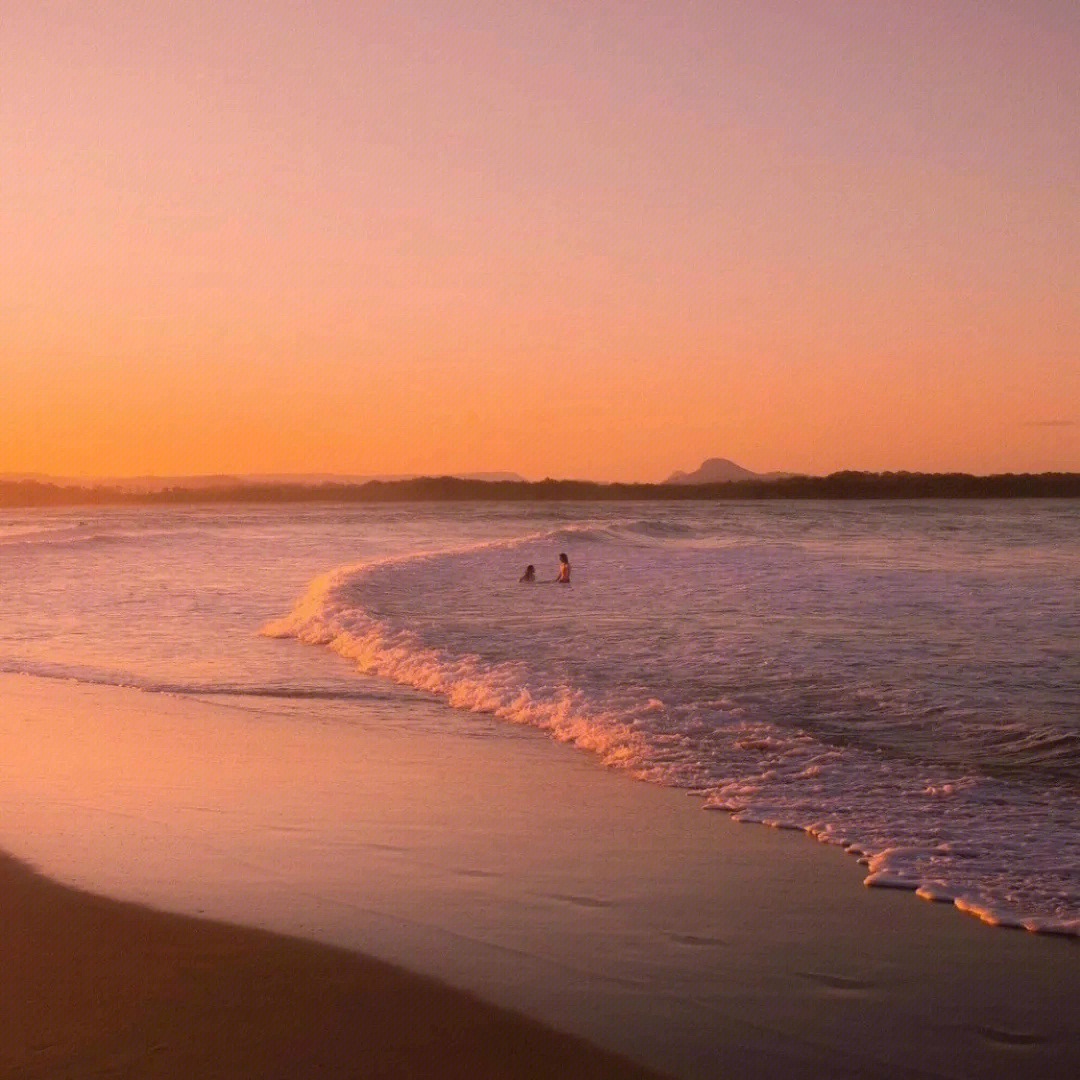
597 239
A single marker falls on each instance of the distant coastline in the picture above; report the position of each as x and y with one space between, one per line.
839 485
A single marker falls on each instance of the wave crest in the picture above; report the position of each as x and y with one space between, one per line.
330 614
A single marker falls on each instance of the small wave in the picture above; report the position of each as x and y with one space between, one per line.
128 681
1014 750
659 527
628 531
74 536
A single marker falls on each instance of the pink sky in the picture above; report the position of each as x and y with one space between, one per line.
569 239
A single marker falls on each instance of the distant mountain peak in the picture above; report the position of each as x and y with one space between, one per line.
713 471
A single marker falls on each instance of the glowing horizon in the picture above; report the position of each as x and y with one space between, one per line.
585 240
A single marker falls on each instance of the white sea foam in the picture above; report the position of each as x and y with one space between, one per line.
329 615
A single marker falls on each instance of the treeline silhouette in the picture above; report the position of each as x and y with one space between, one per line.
839 485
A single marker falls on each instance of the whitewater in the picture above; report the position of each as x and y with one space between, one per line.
900 679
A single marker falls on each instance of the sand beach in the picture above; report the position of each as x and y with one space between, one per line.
100 988
516 871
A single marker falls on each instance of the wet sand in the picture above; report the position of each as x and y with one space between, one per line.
484 856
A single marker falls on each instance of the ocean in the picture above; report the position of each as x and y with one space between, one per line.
900 679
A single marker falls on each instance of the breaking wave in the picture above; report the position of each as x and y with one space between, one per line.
678 692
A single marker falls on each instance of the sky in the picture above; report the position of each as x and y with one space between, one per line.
572 239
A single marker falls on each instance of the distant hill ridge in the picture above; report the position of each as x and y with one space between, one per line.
720 470
224 480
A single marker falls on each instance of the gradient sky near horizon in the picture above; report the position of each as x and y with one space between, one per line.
596 239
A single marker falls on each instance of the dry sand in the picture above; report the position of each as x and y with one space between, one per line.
99 988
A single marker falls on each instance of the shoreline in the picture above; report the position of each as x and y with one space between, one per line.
520 870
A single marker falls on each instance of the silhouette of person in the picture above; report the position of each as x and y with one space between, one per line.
564 570
530 573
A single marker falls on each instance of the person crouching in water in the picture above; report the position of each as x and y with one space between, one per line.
564 570
530 573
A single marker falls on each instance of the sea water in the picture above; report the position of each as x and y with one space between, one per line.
901 679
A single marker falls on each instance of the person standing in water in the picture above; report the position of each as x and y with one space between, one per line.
564 570
530 573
